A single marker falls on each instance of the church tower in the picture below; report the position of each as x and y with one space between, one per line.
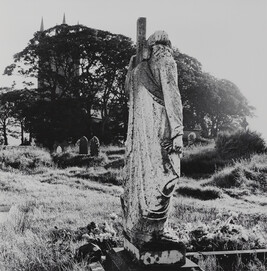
39 81
42 25
62 68
64 19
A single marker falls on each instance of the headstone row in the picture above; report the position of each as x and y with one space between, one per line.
94 146
84 146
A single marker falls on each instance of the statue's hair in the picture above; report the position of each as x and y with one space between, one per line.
159 37
164 42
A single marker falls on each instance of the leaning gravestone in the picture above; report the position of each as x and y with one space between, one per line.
83 147
94 146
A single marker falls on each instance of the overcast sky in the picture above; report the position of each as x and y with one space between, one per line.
229 37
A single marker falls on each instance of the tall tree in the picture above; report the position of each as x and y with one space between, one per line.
78 64
5 118
214 104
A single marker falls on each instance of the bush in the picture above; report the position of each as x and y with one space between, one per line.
24 158
239 144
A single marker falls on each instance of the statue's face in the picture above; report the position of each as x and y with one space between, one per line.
146 53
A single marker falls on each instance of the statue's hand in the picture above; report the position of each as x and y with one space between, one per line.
178 144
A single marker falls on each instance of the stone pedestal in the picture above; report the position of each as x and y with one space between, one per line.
118 259
158 253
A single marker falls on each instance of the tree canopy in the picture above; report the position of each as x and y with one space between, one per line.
211 103
80 69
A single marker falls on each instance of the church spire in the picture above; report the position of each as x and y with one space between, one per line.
64 19
42 25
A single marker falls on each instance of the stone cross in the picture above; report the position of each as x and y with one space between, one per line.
140 39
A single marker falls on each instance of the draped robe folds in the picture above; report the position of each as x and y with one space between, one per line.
155 118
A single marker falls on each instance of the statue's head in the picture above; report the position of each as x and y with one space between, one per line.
159 37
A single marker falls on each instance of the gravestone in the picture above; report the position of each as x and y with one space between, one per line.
83 147
153 148
191 138
94 146
58 149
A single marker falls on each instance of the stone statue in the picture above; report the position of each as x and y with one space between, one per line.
153 147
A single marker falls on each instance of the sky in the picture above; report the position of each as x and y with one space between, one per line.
228 37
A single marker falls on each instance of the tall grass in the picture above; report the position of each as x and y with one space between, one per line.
24 158
63 201
26 242
250 174
201 161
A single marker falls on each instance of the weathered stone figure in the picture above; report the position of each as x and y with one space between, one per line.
153 146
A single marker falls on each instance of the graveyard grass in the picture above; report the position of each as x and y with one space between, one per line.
46 198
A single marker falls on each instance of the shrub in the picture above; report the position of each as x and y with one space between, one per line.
239 144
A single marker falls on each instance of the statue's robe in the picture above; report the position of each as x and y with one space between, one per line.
155 118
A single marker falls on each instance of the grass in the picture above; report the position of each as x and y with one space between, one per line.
39 207
52 207
201 161
248 175
72 159
24 158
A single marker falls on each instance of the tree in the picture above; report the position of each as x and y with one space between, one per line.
214 104
21 101
5 118
79 68
73 64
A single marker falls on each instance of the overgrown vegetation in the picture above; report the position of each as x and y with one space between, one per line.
201 161
52 209
248 175
24 158
240 144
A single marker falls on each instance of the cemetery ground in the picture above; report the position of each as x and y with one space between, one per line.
60 202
